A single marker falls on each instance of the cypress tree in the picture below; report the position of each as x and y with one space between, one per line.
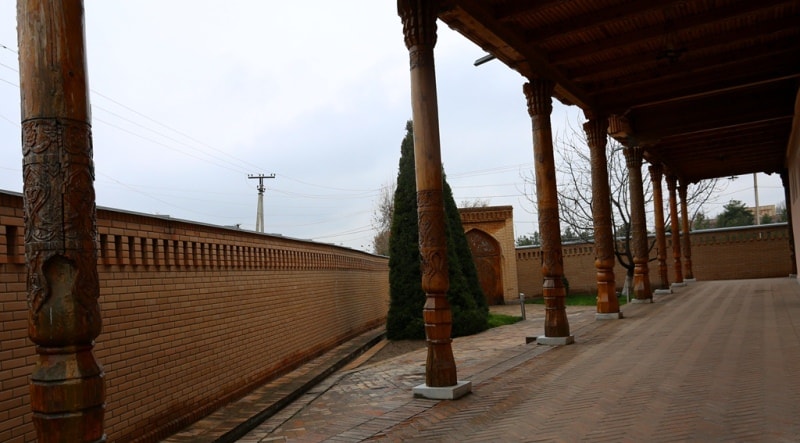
407 299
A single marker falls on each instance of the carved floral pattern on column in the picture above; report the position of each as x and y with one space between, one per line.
596 135
538 94
56 157
432 238
633 160
641 279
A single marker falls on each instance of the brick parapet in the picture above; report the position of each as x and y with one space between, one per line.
717 254
193 315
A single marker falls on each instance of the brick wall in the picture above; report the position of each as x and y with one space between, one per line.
719 254
193 316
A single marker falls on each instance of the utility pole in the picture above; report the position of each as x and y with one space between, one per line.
260 214
755 189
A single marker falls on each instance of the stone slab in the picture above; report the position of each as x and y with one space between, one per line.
608 316
678 285
461 389
555 341
662 291
641 300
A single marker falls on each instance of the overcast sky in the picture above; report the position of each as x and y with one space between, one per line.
189 97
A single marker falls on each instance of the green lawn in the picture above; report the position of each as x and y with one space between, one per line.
496 320
579 299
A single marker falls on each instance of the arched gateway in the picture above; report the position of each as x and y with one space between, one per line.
488 261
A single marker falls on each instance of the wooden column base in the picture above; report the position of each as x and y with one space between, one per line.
67 396
441 365
607 302
556 323
641 284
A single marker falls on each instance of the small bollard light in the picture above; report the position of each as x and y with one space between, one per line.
522 304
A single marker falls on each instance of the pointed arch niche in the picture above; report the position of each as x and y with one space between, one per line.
490 234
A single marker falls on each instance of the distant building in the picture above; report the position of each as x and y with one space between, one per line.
769 210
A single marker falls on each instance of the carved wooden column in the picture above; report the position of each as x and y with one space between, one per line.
672 186
607 303
419 28
686 240
641 277
556 325
787 199
67 388
656 173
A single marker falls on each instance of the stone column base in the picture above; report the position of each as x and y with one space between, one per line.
552 341
662 291
677 285
689 280
460 389
641 300
608 315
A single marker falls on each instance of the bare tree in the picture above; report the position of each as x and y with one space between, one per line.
476 203
575 193
382 219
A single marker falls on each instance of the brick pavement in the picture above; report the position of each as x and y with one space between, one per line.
715 361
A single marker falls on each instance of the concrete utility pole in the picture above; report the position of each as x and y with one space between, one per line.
260 214
755 190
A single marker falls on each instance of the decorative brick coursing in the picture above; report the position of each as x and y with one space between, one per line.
748 252
193 316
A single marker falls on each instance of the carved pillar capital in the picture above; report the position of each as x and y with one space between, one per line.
672 182
683 187
633 156
656 173
538 93
596 130
419 27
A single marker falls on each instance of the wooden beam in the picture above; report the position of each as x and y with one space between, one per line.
484 28
642 63
514 8
684 24
698 80
595 19
722 110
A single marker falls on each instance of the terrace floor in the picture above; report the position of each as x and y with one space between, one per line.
714 361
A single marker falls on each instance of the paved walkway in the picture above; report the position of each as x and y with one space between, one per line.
715 361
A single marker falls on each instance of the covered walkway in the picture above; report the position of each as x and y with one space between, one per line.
714 361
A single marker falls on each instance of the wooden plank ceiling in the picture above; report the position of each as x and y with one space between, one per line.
708 87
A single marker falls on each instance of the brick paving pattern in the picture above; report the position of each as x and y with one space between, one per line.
715 361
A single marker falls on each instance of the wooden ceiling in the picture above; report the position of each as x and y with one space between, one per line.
707 87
